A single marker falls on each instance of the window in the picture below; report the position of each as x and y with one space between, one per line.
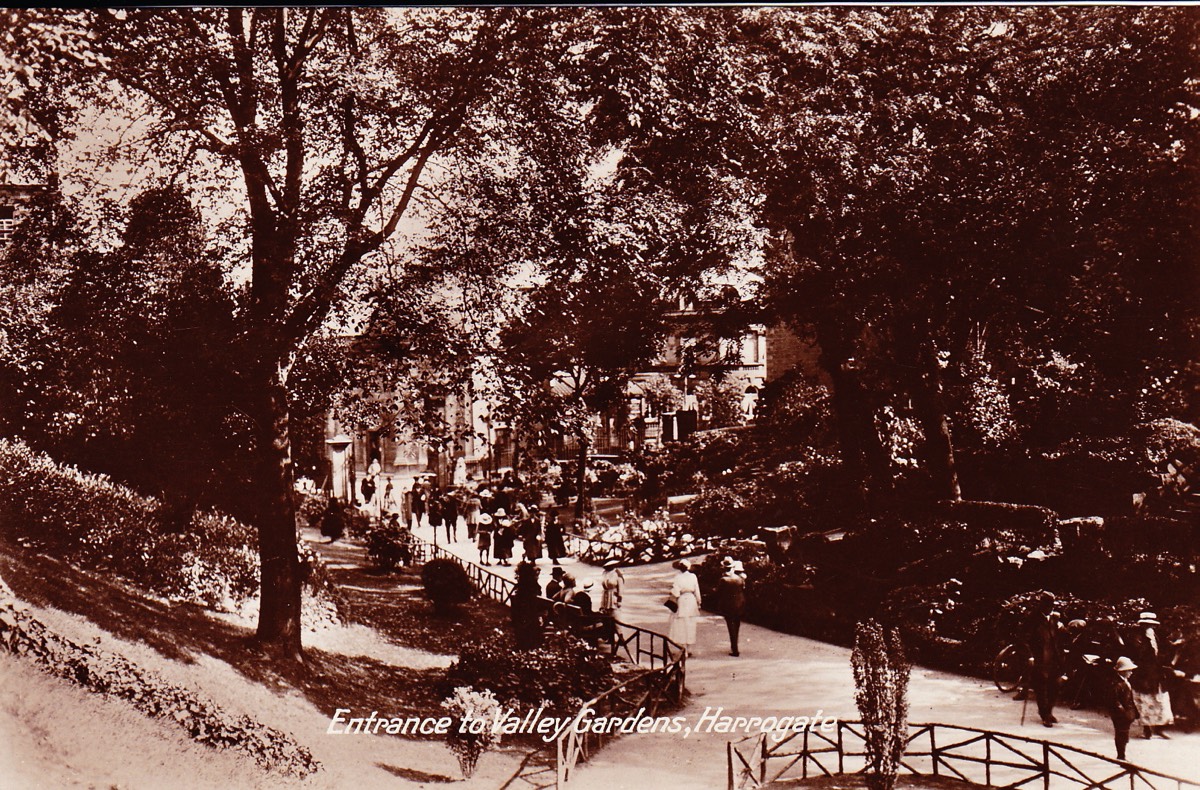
8 223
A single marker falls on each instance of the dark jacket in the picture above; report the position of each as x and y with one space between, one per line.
1122 709
731 593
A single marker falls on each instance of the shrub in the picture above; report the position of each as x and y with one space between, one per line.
92 522
469 742
562 673
116 676
881 673
527 607
446 584
387 546
719 510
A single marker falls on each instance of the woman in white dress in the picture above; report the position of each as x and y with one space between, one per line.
685 592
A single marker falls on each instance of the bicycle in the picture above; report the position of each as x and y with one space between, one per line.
1010 668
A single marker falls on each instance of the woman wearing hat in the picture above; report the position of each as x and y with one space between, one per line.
506 537
483 537
1153 702
612 587
685 592
1123 710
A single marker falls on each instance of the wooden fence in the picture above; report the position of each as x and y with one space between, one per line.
991 759
663 662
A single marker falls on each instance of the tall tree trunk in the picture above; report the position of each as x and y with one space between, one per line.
858 440
919 354
930 407
581 476
279 611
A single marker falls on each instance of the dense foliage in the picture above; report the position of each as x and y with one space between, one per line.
562 673
90 521
446 584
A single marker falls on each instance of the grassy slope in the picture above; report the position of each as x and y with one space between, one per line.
67 737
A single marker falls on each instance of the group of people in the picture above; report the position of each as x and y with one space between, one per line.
1138 674
574 605
496 533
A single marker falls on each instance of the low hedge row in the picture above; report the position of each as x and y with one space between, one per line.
92 522
108 673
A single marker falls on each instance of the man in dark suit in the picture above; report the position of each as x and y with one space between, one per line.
1042 638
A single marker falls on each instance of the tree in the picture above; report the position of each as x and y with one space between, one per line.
934 176
132 378
327 122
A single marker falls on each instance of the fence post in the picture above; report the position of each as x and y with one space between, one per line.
1046 765
729 764
762 766
933 752
841 750
987 761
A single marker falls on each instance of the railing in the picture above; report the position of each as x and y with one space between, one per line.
493 585
637 552
639 696
982 757
663 678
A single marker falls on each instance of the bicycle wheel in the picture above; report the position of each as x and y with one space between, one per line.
1008 669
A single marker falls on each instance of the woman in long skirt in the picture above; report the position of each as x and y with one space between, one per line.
685 592
483 538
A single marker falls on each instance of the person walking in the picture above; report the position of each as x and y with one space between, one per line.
1122 708
612 588
474 507
731 591
531 537
554 537
450 515
685 593
389 496
435 514
1042 630
1153 702
505 537
419 501
483 538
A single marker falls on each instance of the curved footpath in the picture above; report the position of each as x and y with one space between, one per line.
785 675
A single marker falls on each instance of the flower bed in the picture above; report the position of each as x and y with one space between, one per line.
639 541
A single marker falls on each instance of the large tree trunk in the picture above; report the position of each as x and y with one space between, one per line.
919 351
930 408
279 612
581 477
858 440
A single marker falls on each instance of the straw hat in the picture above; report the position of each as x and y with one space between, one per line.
484 518
1124 665
500 513
612 563
1148 618
587 585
